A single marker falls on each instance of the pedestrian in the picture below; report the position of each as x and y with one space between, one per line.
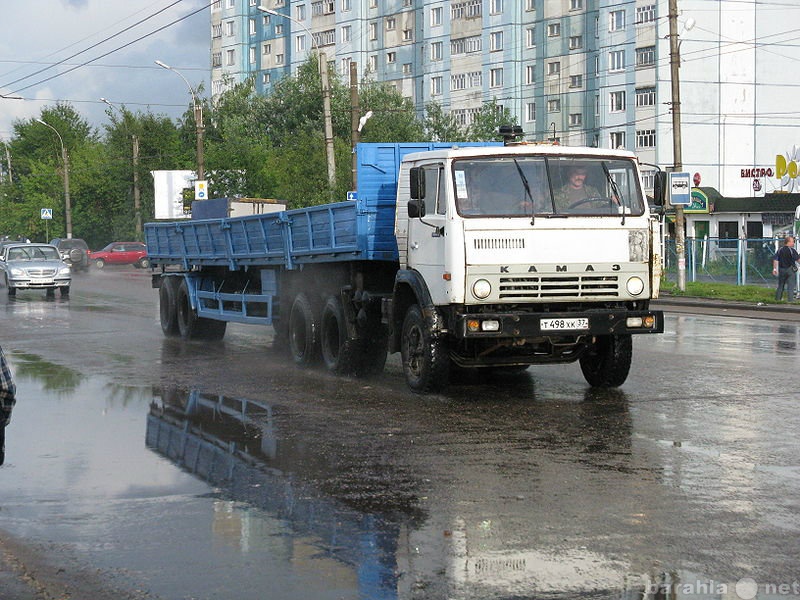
784 266
8 397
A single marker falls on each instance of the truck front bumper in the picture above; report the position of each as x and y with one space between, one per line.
551 324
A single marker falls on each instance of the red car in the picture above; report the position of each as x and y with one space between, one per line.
121 253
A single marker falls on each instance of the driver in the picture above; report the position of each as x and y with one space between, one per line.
574 190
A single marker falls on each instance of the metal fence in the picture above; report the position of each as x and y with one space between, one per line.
724 260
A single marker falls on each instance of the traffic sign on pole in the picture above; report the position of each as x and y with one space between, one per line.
201 189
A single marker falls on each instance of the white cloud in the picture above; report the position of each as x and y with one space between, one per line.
38 33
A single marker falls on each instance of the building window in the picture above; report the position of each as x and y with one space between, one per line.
252 55
229 28
646 96
373 3
575 42
646 138
645 14
496 7
575 119
251 26
496 78
616 101
347 33
466 10
265 20
530 74
646 57
230 57
495 41
216 59
373 31
554 106
372 62
391 57
616 60
278 29
279 59
617 139
530 5
475 79
391 23
436 86
300 43
576 81
300 12
216 30
530 39
530 112
576 4
436 51
458 82
616 20
265 78
466 45
648 179
347 5
406 68
408 35
553 68
553 29
436 16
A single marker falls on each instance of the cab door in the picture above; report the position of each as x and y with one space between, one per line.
426 234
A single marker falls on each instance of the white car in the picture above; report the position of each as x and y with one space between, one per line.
34 267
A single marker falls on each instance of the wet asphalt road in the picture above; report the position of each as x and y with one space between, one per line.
140 467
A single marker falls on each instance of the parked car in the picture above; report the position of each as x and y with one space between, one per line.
74 252
34 266
121 253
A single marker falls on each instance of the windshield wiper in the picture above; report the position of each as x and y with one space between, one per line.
527 190
614 189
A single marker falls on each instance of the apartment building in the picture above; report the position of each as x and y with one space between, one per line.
586 72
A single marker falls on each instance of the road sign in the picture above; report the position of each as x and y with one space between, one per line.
351 196
201 189
47 213
680 189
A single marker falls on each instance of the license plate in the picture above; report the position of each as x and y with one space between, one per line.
564 324
44 281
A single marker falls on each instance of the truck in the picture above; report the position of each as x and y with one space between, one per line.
458 256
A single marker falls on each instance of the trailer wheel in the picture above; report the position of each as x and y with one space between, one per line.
608 361
167 299
192 327
426 362
304 329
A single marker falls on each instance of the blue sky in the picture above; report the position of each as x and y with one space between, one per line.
40 33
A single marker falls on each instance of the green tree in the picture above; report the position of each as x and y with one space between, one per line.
440 126
487 121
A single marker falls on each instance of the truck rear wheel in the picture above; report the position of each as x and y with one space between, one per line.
426 363
338 353
167 299
608 361
304 327
192 327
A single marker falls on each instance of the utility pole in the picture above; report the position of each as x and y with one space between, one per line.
326 109
675 64
355 111
137 202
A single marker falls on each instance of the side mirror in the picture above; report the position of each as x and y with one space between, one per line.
417 183
416 208
659 188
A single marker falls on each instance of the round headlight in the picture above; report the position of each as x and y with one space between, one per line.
635 286
481 289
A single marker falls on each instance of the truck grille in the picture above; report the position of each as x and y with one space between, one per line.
499 243
558 286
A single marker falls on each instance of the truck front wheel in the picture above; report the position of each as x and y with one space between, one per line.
304 327
607 361
426 363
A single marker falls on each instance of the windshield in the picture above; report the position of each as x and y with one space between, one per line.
527 186
33 253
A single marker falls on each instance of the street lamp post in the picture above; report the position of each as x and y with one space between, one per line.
137 204
65 158
326 96
198 120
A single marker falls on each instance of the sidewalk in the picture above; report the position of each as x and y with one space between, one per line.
714 306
